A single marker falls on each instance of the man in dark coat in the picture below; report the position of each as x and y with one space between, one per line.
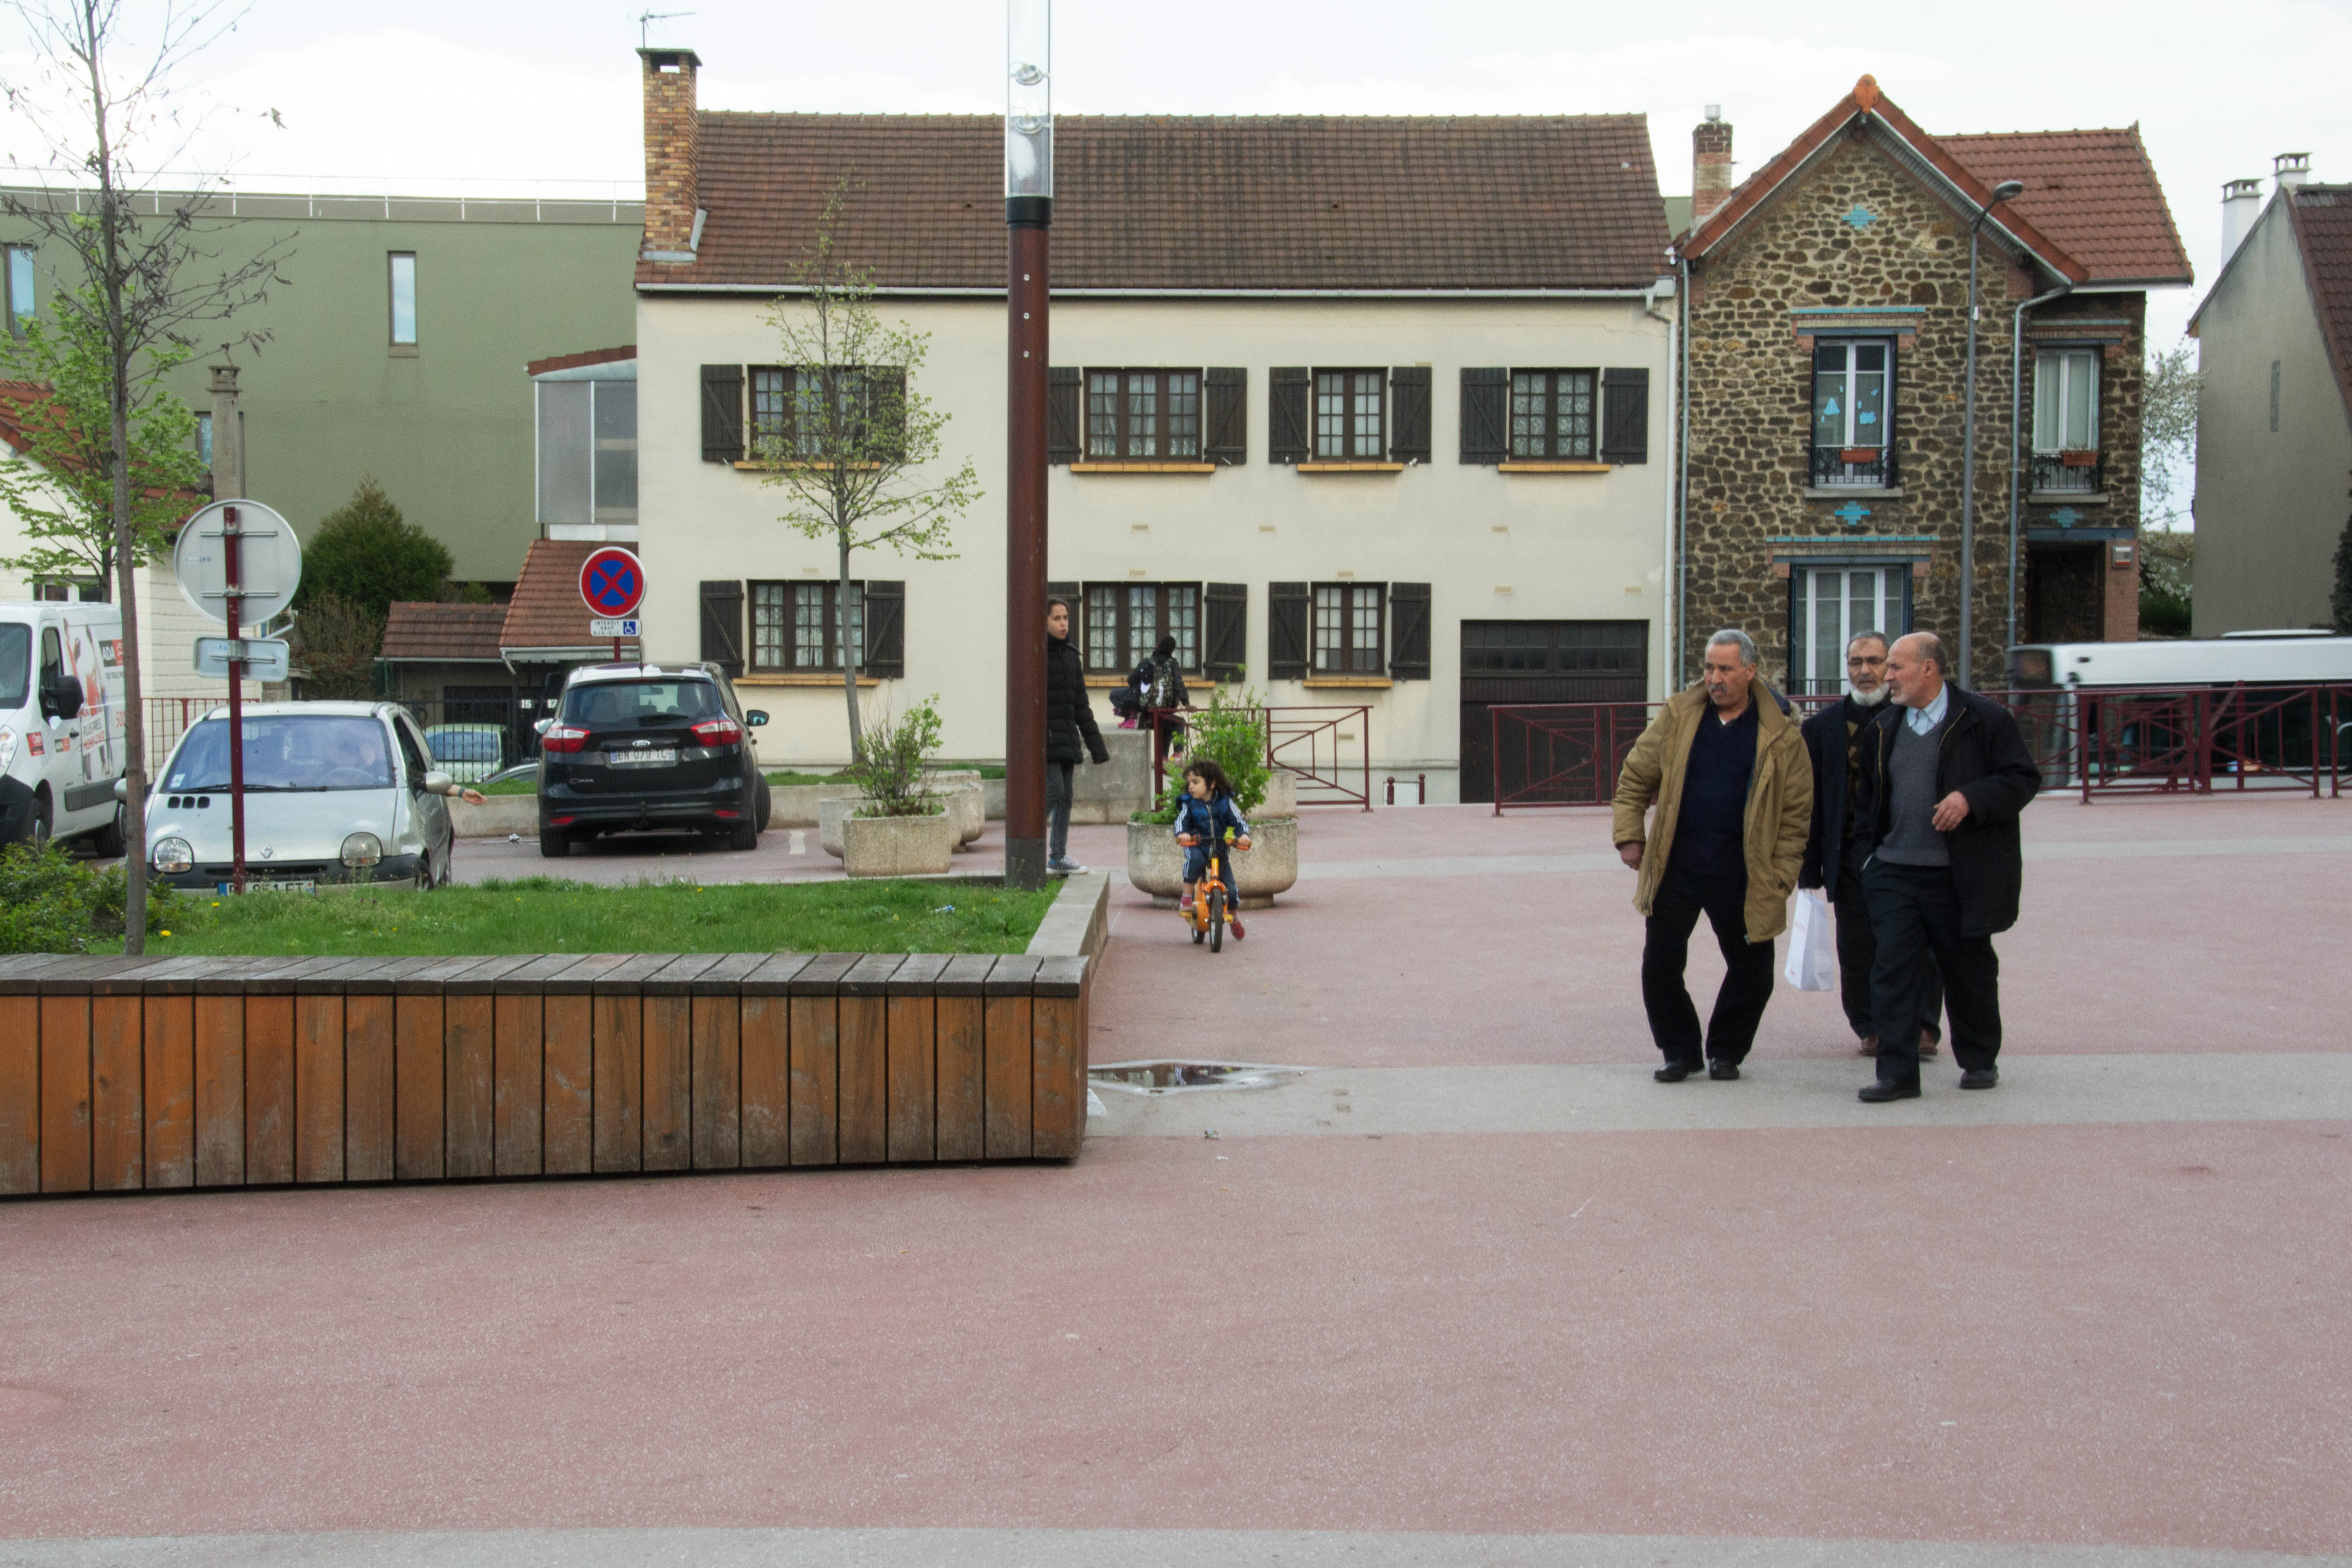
1833 737
1069 726
1945 774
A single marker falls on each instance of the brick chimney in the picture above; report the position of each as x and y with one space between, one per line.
1710 164
672 195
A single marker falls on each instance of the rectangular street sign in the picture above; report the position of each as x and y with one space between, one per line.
265 657
601 628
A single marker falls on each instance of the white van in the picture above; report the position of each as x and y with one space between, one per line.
61 722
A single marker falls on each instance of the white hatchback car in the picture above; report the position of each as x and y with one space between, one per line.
334 792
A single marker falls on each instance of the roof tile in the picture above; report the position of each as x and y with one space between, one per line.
546 611
2094 192
2322 215
413 629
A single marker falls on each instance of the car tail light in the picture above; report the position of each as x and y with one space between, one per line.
562 737
718 731
562 821
727 815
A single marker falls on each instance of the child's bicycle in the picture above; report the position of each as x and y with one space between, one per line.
1212 902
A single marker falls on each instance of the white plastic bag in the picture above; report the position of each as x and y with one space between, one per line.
1812 949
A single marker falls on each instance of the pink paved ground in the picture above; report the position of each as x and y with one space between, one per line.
2132 1334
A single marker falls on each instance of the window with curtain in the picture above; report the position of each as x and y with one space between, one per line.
1552 414
2066 400
1125 621
1853 398
1143 414
797 626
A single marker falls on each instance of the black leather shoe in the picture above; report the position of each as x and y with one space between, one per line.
1881 1093
1980 1078
1673 1072
1722 1070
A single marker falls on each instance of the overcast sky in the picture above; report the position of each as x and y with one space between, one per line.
513 95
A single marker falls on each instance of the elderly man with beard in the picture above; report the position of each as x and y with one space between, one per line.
1833 737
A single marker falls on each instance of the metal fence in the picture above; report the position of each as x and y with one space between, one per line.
2099 742
1328 749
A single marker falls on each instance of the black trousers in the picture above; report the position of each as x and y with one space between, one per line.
1060 787
1915 916
1681 898
1857 954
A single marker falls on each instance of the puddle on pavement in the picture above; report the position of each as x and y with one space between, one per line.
1168 1077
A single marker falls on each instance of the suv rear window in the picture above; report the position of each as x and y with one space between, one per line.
620 704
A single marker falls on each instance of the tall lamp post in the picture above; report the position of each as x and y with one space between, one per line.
2001 192
1028 215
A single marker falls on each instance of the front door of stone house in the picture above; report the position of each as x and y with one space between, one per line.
1541 661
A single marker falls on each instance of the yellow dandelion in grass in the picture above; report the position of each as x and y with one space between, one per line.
167 933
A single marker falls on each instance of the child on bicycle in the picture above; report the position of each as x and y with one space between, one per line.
1202 816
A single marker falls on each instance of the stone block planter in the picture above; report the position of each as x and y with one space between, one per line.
966 802
831 813
899 846
1155 862
796 806
497 816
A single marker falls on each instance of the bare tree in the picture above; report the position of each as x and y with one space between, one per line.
845 434
132 260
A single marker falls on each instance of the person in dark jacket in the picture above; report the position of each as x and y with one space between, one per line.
1833 737
1159 685
1070 733
1944 774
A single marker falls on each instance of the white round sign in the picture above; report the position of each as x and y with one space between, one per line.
269 561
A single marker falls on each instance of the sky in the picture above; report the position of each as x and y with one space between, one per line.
508 96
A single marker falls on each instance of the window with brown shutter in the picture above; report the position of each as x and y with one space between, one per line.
1625 416
1409 414
1349 625
788 422
1228 415
1484 393
1285 631
1289 390
1553 415
1065 385
1409 631
1125 621
722 414
1226 647
796 627
1350 415
722 626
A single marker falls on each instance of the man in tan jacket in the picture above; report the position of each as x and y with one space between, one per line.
1733 787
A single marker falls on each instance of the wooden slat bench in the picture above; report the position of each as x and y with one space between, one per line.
144 1074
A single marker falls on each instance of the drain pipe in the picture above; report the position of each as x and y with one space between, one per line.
1665 576
1682 485
2017 400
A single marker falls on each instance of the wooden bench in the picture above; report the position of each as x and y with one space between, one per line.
131 1074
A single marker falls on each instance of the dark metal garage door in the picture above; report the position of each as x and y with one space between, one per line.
1542 661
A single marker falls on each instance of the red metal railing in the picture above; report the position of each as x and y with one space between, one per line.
1314 743
2111 741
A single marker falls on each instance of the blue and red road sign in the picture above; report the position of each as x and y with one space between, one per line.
613 582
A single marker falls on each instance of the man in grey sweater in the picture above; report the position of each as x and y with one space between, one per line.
1944 774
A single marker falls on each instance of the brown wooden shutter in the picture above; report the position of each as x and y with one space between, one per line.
1482 395
1409 414
722 414
885 630
1625 416
1285 631
886 402
722 626
1409 631
1225 650
1228 416
1287 427
1063 385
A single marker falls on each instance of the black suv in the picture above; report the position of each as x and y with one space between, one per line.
644 746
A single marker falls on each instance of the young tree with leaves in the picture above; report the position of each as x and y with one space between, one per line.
100 101
62 488
2340 601
367 553
2168 453
849 438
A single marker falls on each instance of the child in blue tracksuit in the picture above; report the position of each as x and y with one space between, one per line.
1202 816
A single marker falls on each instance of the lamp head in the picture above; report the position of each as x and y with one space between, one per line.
2008 190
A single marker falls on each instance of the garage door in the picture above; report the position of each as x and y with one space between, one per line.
1541 661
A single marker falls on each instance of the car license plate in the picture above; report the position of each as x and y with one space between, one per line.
255 885
650 754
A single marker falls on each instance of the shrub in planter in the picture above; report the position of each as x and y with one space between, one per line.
1231 734
50 902
891 768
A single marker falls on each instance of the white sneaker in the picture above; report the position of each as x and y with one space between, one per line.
1064 868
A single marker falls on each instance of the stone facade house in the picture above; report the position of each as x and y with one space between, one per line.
1369 414
2275 407
1827 318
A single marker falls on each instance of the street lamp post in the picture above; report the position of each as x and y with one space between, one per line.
2001 192
1028 215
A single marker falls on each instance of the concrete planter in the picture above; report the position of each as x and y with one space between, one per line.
1281 796
1155 862
966 801
831 813
497 816
796 806
898 846
1110 792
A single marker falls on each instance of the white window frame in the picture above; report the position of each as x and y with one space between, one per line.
1882 609
1848 415
392 280
606 523
2072 368
22 300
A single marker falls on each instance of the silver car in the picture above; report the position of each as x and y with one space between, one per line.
334 792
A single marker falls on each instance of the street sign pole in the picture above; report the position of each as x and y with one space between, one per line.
235 707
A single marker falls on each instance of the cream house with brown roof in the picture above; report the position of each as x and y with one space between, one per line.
1364 412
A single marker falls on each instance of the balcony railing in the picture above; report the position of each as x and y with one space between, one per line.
1866 468
2069 473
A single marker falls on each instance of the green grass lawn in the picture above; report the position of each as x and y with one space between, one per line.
542 915
513 786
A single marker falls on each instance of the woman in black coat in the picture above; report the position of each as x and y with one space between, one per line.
1070 733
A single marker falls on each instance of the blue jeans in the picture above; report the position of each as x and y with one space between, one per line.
1060 787
1196 865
